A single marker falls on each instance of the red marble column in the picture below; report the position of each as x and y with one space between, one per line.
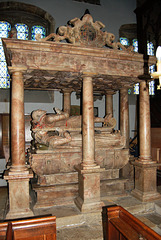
145 124
66 100
109 103
124 116
18 174
17 122
88 172
145 168
88 124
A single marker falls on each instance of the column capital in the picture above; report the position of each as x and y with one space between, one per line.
110 92
88 74
66 90
124 89
17 69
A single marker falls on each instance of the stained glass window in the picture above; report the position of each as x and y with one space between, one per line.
37 30
22 31
152 88
150 48
136 89
135 45
150 51
124 41
5 27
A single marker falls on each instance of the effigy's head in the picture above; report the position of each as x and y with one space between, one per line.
37 114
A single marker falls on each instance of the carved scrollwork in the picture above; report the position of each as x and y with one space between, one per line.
85 32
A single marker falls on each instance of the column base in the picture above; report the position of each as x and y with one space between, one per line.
146 197
19 198
145 181
89 189
22 214
88 206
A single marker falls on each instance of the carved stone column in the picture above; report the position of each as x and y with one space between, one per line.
145 168
124 115
19 174
109 103
88 124
88 171
67 100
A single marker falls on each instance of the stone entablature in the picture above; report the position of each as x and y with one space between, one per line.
51 65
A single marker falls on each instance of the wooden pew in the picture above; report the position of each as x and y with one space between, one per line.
9 234
43 228
3 230
119 224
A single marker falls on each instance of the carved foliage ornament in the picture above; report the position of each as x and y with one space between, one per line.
84 32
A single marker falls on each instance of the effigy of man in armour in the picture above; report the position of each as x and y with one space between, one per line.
52 129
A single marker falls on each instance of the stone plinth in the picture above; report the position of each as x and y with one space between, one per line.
88 199
58 180
62 188
19 206
145 181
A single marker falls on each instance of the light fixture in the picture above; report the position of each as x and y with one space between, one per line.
157 74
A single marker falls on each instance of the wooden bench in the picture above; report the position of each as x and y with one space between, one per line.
3 230
119 224
43 228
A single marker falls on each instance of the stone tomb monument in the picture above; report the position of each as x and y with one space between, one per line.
57 152
74 160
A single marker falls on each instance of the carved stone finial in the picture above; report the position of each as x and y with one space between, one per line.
85 32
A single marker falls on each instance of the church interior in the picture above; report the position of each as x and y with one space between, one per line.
80 119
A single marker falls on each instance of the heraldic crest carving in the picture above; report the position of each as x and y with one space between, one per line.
85 32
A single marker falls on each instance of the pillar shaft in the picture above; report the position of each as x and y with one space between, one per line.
109 103
88 123
88 173
67 101
17 121
124 116
145 168
19 174
145 125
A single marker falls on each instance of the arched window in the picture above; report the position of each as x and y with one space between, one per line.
22 31
28 20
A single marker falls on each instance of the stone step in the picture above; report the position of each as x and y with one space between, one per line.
55 195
